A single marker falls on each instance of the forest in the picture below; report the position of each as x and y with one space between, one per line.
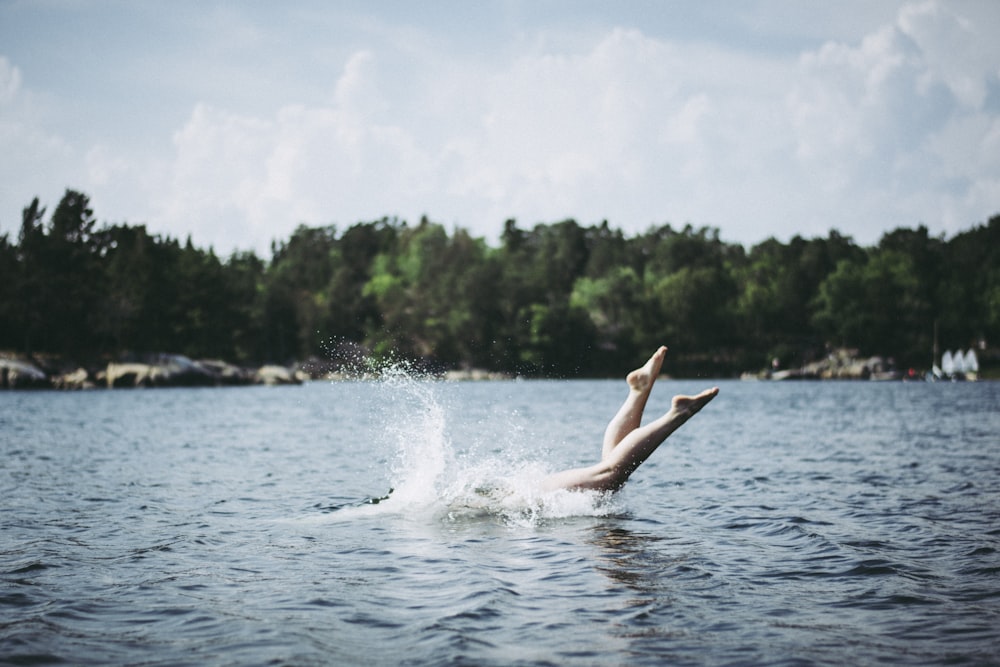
557 300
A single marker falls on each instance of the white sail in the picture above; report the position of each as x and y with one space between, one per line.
971 362
959 360
947 363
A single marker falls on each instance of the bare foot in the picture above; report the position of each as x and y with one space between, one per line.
686 407
641 379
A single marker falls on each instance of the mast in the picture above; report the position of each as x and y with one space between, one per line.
935 350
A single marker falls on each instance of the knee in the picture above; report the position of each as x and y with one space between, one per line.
607 477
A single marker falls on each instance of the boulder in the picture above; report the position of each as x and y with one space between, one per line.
78 379
226 373
165 370
840 364
19 374
273 375
128 375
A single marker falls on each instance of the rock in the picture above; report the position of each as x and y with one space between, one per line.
273 375
166 370
128 375
840 364
226 373
156 370
18 374
78 379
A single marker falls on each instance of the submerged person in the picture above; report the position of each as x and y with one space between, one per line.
626 443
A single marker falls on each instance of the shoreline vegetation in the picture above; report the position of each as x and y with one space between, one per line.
83 302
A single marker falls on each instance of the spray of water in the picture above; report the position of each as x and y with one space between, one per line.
430 476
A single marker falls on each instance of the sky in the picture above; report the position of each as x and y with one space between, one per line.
235 122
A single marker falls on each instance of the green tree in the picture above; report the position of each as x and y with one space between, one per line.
925 264
613 305
770 304
607 251
694 312
293 302
33 284
873 304
127 260
350 313
60 277
968 303
559 340
538 271
557 299
10 278
244 278
778 286
434 296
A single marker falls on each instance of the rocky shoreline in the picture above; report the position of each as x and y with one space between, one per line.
175 370
159 370
840 364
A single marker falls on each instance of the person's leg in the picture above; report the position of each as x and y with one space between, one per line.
640 383
614 470
638 445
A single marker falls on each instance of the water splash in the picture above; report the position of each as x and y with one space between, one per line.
430 476
417 429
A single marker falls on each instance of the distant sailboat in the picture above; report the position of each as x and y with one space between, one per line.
971 364
954 365
958 366
947 364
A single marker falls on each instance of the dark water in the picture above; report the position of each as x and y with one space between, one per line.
854 523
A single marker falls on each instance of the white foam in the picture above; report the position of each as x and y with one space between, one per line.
430 478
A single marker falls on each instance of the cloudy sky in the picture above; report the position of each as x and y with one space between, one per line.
236 121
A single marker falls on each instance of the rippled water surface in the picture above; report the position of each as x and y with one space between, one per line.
827 523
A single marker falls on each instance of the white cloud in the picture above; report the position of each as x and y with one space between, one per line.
958 52
891 128
967 152
244 181
871 123
634 129
103 166
31 154
10 81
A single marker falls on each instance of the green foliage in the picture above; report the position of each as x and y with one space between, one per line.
60 277
874 304
10 312
557 299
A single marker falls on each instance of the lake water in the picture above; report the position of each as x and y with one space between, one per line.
788 523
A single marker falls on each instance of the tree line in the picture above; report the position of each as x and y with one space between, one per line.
558 299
